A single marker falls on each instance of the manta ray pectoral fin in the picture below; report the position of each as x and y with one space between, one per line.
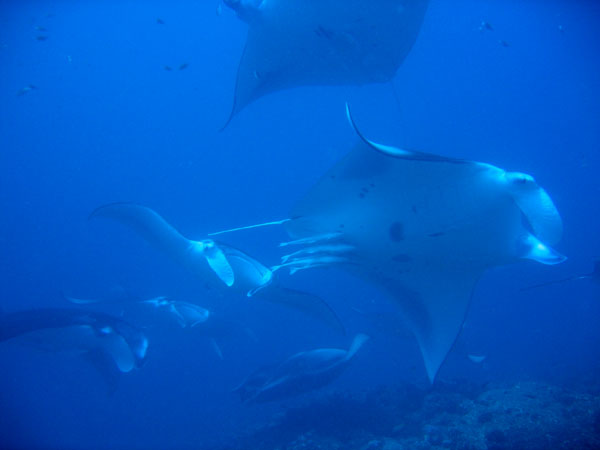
530 247
434 303
178 316
309 304
148 224
357 343
245 9
399 153
536 205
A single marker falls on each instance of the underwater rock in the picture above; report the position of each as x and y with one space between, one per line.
528 415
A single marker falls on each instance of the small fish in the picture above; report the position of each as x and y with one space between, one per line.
183 66
485 26
69 59
503 43
26 89
41 38
477 359
159 21
42 29
168 68
561 28
219 9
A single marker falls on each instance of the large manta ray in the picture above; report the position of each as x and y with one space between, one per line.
322 42
424 228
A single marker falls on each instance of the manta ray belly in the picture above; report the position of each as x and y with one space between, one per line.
425 231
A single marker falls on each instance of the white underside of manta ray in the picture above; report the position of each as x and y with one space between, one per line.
322 42
423 227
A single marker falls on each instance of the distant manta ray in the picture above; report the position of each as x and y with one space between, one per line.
300 373
322 42
424 228
185 314
101 338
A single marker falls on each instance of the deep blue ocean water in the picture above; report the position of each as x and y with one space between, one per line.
106 122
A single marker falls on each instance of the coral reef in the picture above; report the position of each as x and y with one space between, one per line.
457 416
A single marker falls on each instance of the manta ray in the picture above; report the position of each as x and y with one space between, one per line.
187 315
294 43
300 373
424 228
216 263
109 343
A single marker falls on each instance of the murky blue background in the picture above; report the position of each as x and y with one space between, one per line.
108 123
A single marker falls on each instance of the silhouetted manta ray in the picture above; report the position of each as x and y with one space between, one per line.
300 373
187 315
322 42
425 228
101 338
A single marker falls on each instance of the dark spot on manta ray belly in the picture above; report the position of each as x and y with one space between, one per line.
323 32
397 232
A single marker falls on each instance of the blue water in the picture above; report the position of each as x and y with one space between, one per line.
108 123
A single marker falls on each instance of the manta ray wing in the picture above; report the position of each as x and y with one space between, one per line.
309 304
323 42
